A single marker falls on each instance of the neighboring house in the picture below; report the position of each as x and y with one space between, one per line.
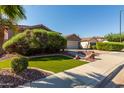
100 39
73 41
88 42
8 33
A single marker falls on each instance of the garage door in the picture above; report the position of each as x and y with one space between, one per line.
72 44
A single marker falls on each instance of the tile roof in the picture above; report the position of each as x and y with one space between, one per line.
92 39
73 37
23 27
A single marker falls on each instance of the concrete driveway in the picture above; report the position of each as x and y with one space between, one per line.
88 75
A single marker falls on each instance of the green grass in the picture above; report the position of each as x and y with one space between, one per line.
51 63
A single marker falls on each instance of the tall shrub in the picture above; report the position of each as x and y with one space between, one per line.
35 41
55 42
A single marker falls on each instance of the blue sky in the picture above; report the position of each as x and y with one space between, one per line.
86 21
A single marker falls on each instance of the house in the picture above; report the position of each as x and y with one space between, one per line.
73 41
88 42
100 39
8 33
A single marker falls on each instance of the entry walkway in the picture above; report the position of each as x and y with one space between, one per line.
88 75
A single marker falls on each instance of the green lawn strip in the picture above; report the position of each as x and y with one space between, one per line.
52 63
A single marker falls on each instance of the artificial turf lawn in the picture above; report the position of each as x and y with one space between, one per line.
51 63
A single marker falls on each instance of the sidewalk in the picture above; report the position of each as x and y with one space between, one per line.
117 81
88 75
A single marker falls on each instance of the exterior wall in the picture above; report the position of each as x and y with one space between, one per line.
8 34
87 44
73 44
5 35
84 44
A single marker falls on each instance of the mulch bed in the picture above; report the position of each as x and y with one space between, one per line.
10 79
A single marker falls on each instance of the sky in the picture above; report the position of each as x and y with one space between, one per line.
83 20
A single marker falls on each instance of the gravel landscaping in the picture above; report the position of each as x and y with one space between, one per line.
9 79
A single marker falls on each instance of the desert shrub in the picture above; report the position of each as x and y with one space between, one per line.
19 64
35 41
110 46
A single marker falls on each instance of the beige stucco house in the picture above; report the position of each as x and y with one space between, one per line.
87 42
73 41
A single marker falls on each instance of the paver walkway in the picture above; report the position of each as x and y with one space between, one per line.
88 75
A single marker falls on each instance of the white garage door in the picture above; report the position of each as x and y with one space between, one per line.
72 44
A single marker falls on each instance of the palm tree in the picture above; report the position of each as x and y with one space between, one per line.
9 15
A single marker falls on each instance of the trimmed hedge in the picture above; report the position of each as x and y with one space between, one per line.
35 41
109 46
19 64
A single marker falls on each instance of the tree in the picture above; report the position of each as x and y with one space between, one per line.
9 15
114 37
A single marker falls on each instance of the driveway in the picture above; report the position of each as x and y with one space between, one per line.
88 75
